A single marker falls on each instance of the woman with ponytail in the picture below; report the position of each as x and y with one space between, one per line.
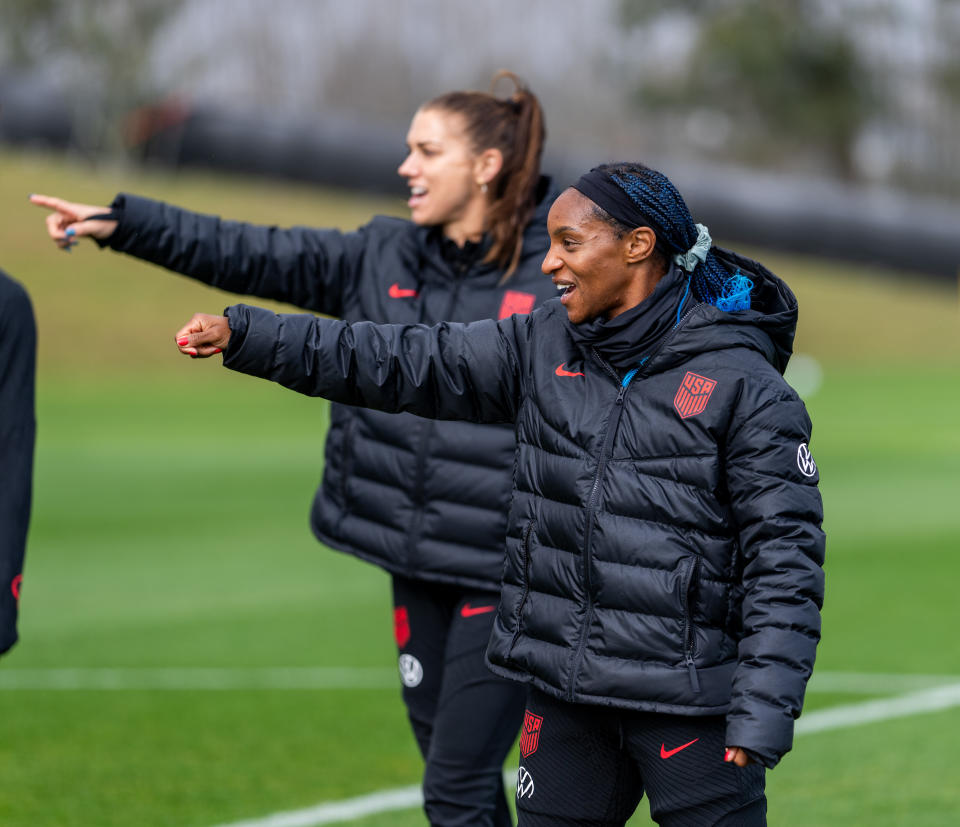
663 581
427 501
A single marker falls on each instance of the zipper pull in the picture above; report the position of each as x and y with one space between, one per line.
625 383
694 679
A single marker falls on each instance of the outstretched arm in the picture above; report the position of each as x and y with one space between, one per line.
449 371
307 267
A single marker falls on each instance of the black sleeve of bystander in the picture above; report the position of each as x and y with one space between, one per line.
18 345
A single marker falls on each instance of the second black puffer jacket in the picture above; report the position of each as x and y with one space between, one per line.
424 499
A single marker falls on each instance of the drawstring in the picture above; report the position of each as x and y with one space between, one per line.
683 300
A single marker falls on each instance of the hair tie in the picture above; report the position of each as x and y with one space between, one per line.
697 253
736 293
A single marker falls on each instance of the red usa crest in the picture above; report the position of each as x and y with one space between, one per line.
515 301
530 734
693 394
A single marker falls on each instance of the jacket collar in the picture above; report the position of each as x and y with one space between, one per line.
628 340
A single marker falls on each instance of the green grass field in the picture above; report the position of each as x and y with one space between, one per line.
170 533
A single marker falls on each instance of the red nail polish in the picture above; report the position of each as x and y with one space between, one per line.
182 341
218 350
728 755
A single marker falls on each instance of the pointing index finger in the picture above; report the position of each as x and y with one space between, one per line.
47 201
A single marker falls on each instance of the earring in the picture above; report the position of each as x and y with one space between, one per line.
483 188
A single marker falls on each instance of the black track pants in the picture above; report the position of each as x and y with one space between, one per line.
465 718
590 766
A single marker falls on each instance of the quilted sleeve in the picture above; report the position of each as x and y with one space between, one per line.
772 481
310 268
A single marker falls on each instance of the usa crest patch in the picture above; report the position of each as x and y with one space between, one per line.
693 394
530 734
515 301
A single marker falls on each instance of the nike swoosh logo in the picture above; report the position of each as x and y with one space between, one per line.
470 611
398 292
562 371
666 753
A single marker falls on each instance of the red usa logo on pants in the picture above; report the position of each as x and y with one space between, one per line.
693 394
401 626
530 734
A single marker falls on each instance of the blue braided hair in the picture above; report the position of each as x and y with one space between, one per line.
661 204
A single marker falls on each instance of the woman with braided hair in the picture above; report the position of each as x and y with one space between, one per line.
427 501
663 582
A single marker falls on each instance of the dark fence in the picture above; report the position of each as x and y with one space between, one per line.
818 217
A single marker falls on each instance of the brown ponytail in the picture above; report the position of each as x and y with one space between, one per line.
515 126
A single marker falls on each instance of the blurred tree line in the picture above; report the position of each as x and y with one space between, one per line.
96 51
778 82
857 89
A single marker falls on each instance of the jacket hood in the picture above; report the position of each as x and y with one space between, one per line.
769 326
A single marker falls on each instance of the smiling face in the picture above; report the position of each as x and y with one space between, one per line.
599 274
445 175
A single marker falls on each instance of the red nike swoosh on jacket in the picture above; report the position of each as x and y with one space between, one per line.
470 611
562 371
398 292
666 753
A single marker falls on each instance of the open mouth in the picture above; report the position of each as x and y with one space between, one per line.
566 289
417 194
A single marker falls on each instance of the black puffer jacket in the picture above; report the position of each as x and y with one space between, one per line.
664 548
421 498
18 348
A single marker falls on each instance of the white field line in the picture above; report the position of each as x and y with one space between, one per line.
385 801
352 677
874 683
931 693
884 709
191 678
838 717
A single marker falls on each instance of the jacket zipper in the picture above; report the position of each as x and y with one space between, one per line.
688 637
613 424
525 554
591 503
459 272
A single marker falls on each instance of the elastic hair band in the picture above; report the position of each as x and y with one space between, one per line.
697 254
